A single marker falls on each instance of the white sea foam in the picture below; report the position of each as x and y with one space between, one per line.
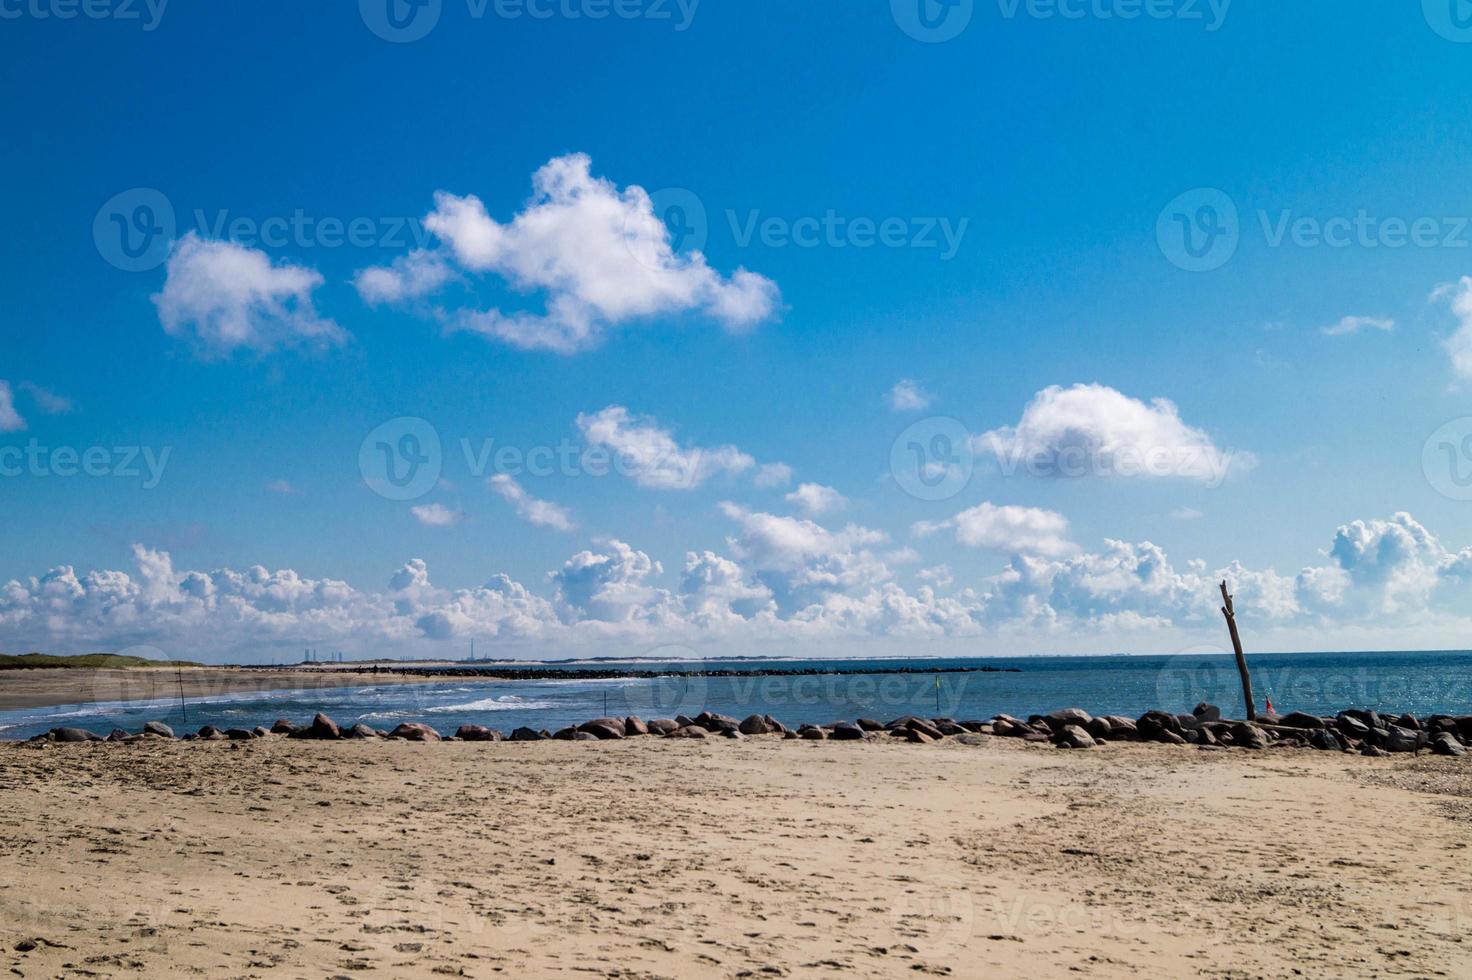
507 703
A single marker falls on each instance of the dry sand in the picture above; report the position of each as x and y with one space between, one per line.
37 687
763 858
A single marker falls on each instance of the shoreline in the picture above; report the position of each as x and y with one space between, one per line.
55 687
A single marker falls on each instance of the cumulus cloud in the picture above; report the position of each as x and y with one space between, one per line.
1459 345
1094 430
541 513
652 457
908 396
1010 529
228 297
10 419
599 256
1354 324
436 515
781 579
815 500
282 487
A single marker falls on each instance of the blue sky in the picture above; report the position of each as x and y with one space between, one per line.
1050 148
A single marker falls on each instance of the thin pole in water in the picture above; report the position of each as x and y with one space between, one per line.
179 673
937 695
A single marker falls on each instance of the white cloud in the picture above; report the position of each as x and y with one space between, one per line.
784 580
653 458
541 513
600 256
229 297
48 402
436 515
282 487
772 475
10 419
1354 324
1459 344
815 500
1010 529
908 396
1093 430
411 276
1186 514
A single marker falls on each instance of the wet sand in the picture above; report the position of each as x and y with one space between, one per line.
760 858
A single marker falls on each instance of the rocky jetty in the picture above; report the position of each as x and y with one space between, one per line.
1359 731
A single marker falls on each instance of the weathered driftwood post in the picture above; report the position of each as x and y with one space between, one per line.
1231 615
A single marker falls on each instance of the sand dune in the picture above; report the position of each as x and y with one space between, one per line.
764 858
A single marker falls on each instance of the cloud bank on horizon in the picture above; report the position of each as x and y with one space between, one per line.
784 580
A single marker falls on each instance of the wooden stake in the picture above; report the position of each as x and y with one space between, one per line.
1231 615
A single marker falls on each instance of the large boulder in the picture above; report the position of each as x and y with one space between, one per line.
1121 727
1398 739
948 726
774 726
603 729
634 726
209 733
812 733
282 727
361 731
1298 719
1464 727
1325 740
1153 723
1409 721
324 728
847 732
1073 737
74 735
1447 744
663 726
1207 712
713 722
158 728
1350 726
524 734
239 734
689 731
917 736
1246 735
477 733
415 732
755 725
870 725
1068 716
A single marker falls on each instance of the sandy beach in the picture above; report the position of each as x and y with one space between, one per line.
673 858
45 686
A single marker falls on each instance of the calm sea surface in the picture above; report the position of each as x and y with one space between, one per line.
1422 683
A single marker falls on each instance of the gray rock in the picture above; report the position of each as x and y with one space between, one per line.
585 737
209 733
755 725
947 726
603 729
1351 726
1447 744
634 726
118 735
524 734
1373 750
1398 739
415 732
1298 719
845 732
1073 737
323 728
477 733
812 733
1068 716
283 727
690 731
1207 712
917 736
1152 723
1246 735
361 731
1325 741
74 735
158 728
239 734
870 725
732 733
662 726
